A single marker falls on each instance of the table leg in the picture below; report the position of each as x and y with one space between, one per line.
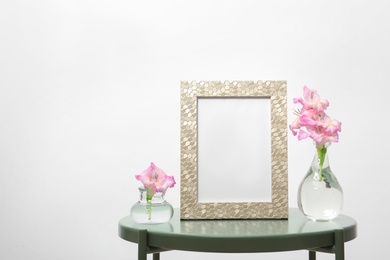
312 255
339 244
142 244
156 256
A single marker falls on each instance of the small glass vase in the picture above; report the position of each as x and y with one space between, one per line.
320 196
154 211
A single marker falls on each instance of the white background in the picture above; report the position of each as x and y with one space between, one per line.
89 95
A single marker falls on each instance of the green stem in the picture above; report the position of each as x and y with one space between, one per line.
321 151
149 205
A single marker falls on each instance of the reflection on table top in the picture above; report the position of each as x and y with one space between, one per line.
296 224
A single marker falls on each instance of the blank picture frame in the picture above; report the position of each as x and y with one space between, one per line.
234 150
229 128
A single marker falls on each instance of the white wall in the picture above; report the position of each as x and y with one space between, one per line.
89 95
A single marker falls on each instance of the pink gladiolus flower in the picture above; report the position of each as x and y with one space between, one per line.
155 180
312 121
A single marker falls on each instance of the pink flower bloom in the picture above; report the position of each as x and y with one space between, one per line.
331 126
155 180
312 121
312 101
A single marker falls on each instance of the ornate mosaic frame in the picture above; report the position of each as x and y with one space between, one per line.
190 207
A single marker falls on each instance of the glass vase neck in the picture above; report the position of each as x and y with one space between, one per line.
320 161
320 145
158 197
321 155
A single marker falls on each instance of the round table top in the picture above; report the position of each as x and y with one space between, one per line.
295 233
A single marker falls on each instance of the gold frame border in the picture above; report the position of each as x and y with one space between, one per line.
190 208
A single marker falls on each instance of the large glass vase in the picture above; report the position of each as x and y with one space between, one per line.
320 196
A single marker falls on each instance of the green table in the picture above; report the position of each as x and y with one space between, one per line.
241 236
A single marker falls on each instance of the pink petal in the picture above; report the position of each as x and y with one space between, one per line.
303 135
333 138
321 105
298 100
170 181
293 130
307 120
310 95
295 125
